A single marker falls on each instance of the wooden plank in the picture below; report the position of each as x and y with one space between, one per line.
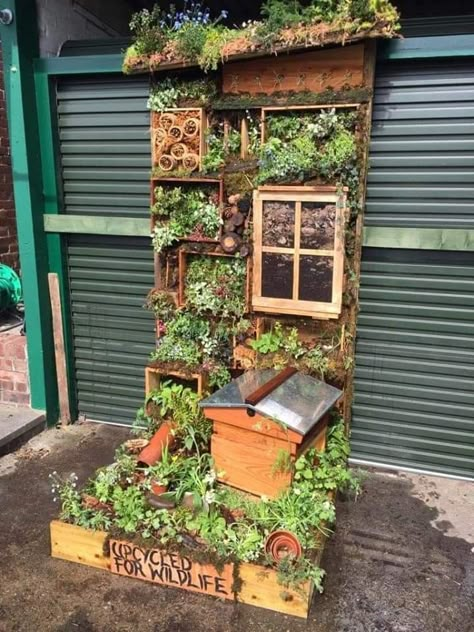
260 588
244 137
170 569
257 423
248 468
252 439
76 544
313 71
59 352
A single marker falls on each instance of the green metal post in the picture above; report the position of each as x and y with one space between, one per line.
52 188
20 47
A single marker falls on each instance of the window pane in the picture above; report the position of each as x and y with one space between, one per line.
277 275
279 224
318 222
316 278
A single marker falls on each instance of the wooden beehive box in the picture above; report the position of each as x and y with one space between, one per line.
178 139
262 422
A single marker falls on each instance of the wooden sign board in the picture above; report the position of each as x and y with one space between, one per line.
170 569
313 71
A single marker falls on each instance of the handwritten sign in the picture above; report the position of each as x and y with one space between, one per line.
170 569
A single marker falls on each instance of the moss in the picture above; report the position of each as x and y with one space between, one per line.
249 101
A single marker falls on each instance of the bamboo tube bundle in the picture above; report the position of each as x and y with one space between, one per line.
176 132
178 151
190 161
191 127
167 162
167 120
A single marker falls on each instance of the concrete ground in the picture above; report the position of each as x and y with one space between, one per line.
401 560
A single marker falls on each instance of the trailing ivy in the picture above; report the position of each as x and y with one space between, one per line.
183 214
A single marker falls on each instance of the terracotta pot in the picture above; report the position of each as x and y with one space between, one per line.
280 544
153 451
157 488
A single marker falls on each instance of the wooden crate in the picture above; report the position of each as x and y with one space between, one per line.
173 181
259 584
246 448
154 376
294 109
313 71
182 265
172 145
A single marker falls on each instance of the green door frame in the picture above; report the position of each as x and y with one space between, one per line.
20 47
29 86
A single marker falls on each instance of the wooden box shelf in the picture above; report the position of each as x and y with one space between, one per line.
178 139
258 584
155 375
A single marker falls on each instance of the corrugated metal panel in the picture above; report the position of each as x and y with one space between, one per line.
422 147
105 153
414 395
105 146
113 334
414 376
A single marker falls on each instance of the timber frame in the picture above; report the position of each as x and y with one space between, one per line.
297 196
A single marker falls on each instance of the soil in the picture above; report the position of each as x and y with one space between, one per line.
389 568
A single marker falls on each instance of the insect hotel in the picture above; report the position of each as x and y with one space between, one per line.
258 163
263 417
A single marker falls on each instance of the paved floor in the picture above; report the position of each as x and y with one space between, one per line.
18 423
401 560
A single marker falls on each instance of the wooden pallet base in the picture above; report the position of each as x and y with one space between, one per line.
259 584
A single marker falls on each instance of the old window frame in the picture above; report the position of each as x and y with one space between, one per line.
299 195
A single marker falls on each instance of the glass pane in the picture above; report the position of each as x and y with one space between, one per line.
277 275
299 402
278 224
316 278
318 224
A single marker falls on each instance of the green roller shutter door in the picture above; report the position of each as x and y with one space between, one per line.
414 376
105 153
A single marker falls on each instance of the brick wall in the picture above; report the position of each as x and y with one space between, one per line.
8 240
14 388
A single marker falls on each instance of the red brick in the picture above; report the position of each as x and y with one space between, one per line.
13 397
6 385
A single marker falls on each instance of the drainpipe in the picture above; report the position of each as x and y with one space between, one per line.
19 40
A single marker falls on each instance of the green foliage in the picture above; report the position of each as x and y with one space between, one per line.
211 52
149 37
194 36
190 41
214 157
181 405
310 145
171 93
332 472
182 214
294 573
72 510
162 305
216 285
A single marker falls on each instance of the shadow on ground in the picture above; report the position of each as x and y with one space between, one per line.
388 569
